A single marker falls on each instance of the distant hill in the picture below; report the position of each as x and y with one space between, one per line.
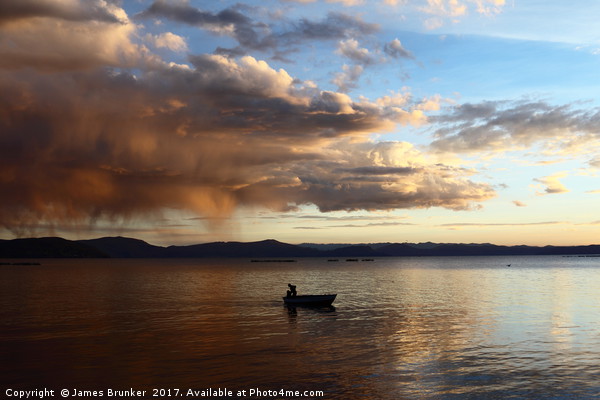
48 247
122 247
335 246
353 251
265 248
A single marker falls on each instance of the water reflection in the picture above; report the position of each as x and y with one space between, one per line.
401 328
292 311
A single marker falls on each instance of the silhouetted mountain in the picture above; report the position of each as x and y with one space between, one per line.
335 246
402 250
48 247
325 246
473 250
265 248
122 247
570 250
353 251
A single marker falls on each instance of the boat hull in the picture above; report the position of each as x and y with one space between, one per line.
310 300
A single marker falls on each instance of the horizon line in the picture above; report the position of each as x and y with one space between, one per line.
302 243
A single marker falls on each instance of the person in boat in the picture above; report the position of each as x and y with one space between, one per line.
292 291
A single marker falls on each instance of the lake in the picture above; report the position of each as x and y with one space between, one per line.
400 328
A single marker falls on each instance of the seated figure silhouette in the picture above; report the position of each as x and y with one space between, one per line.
292 292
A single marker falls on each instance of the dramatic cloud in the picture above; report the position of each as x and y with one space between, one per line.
108 145
508 126
69 10
387 175
66 35
95 127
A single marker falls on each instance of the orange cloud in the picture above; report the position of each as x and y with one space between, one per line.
81 140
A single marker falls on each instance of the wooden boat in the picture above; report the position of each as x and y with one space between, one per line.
310 300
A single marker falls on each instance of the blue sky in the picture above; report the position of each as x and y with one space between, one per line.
304 121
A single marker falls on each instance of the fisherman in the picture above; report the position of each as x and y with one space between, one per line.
292 292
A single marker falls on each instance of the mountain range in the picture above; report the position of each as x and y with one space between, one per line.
122 247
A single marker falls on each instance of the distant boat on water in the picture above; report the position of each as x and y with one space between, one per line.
310 300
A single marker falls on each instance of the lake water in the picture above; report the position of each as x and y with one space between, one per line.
402 328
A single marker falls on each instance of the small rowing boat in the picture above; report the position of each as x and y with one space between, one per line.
310 300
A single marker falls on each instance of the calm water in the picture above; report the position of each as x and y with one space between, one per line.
402 328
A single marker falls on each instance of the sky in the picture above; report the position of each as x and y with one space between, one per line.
324 121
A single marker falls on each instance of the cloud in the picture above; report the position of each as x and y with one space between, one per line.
66 35
334 26
449 8
351 49
107 145
500 126
348 3
69 10
457 8
440 10
551 184
519 203
371 225
362 58
182 11
378 170
595 162
337 217
167 40
489 7
395 49
228 22
348 78
501 224
254 35
393 2
409 182
94 128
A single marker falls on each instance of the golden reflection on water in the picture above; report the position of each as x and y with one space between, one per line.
400 328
